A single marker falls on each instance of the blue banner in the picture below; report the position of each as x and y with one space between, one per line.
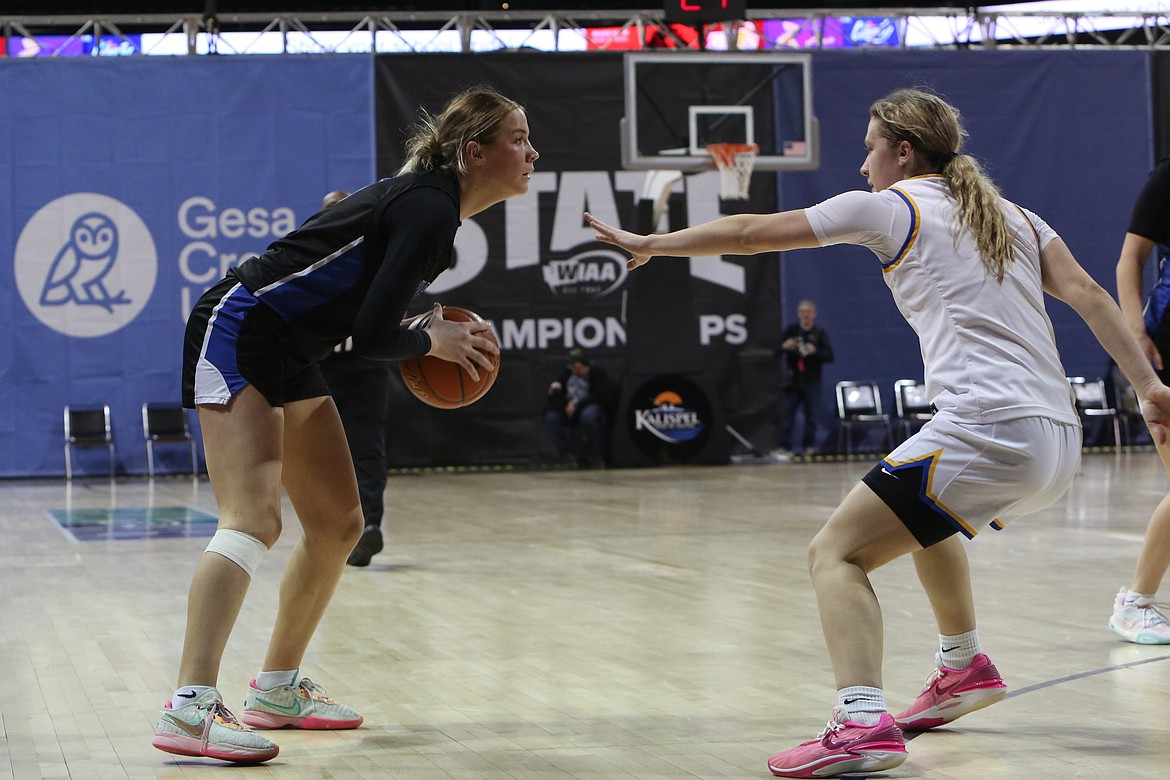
128 187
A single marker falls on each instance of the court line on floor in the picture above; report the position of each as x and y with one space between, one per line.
1068 678
1081 675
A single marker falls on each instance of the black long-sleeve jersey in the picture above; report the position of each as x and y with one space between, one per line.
352 269
1151 210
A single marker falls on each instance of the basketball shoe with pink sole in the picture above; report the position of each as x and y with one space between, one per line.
204 727
302 705
952 693
844 747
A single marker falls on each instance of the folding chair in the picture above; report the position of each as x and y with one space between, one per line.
859 403
85 428
166 423
1093 403
912 405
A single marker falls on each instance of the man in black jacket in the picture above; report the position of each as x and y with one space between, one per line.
805 349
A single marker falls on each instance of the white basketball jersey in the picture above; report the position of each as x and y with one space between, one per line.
987 346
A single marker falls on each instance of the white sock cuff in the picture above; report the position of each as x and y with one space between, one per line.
186 694
862 698
244 550
966 639
956 651
1141 599
267 680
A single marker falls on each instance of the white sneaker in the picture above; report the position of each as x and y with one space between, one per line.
302 705
1139 621
204 727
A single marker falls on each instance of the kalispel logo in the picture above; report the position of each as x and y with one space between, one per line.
591 274
85 264
670 418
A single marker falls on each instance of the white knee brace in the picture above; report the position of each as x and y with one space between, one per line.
244 550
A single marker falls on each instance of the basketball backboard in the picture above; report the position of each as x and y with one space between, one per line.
677 103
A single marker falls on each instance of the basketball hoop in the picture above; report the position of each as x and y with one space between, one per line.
735 163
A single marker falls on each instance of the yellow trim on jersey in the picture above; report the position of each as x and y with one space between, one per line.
1029 223
928 492
915 224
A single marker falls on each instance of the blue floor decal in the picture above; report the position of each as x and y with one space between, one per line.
162 522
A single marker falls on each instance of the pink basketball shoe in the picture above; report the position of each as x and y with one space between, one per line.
952 693
844 747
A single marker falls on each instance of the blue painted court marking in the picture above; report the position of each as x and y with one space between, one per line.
160 522
1068 678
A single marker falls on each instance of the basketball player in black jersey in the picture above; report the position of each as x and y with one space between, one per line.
250 369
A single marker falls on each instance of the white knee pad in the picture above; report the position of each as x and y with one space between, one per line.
244 550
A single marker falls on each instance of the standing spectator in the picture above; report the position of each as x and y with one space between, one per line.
1135 616
360 388
576 399
804 350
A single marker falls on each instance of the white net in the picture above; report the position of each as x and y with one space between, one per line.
735 163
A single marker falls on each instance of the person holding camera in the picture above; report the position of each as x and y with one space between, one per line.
804 349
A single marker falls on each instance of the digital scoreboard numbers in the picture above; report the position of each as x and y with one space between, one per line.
702 11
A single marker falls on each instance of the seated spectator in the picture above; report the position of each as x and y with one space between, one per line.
576 400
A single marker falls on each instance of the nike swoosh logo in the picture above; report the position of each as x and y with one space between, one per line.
295 709
949 649
945 688
844 744
186 695
887 472
187 728
850 701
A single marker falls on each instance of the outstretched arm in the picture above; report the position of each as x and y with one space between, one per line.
1064 278
741 234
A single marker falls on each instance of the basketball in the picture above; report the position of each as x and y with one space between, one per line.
441 383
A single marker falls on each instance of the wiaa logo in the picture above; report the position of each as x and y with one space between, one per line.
85 264
669 419
594 273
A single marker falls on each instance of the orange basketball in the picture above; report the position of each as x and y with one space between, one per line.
441 383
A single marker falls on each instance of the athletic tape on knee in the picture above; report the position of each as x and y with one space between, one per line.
244 550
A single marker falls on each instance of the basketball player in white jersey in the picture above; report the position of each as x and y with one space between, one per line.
968 271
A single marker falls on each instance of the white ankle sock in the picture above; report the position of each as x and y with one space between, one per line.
1132 597
862 704
266 681
187 694
958 650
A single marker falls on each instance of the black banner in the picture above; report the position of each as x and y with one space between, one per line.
531 266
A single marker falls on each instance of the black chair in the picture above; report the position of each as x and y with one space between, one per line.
1093 403
85 428
912 405
859 403
166 423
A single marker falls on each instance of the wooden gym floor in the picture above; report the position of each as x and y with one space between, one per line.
595 625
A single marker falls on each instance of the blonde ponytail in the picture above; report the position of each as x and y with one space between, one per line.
980 207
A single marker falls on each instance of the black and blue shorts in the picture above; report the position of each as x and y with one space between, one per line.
233 340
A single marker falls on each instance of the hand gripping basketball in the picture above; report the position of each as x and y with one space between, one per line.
441 383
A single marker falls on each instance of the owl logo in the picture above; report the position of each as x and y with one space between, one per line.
78 271
85 265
